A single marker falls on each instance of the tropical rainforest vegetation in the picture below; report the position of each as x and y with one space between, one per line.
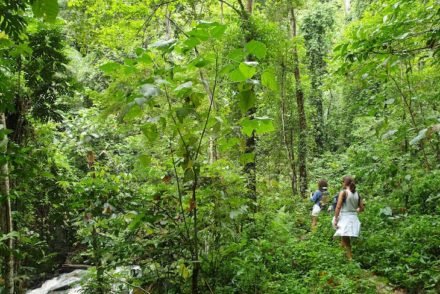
185 137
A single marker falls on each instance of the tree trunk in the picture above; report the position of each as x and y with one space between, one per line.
318 117
250 168
213 154
249 6
288 144
302 123
347 6
6 214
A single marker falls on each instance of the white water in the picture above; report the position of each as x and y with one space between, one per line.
61 281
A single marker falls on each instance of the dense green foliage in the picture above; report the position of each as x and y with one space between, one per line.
168 134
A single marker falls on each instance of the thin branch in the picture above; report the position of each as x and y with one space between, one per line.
156 8
210 107
231 6
175 121
405 52
243 10
179 190
173 220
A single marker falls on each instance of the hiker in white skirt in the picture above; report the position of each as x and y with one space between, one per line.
346 221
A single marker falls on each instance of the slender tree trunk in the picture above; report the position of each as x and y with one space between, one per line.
213 154
95 237
302 123
98 262
347 6
318 117
288 144
407 103
250 168
249 6
196 261
6 214
167 24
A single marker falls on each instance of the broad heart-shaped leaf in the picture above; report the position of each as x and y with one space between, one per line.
110 67
237 55
260 125
47 9
150 131
184 88
268 80
421 135
247 100
242 73
164 44
183 112
246 70
191 42
247 158
227 144
237 76
389 134
386 211
218 31
199 61
205 30
256 48
144 159
145 58
149 90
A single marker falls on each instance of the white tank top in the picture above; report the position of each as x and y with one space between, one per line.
351 202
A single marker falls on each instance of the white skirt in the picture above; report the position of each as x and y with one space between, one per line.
348 225
316 210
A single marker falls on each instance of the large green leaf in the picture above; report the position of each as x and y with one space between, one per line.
184 89
260 125
246 101
247 158
420 136
256 48
205 30
237 76
242 73
47 9
237 55
149 90
268 80
164 45
247 70
150 131
110 67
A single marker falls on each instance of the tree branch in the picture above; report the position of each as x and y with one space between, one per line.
231 6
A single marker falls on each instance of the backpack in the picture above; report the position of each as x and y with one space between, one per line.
335 201
323 200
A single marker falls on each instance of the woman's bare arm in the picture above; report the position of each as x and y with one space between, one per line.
361 205
339 205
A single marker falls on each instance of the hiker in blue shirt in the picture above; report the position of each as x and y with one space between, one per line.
316 198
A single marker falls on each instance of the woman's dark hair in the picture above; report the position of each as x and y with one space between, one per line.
322 185
349 182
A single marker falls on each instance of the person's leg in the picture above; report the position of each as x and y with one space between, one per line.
345 241
314 221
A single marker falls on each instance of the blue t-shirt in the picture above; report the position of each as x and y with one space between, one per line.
316 197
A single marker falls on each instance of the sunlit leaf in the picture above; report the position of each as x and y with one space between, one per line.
47 9
420 136
268 80
256 48
247 100
150 131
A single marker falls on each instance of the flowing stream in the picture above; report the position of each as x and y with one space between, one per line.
62 284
